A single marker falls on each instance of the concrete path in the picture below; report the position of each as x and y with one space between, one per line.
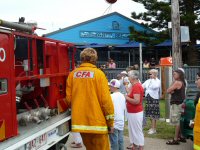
150 144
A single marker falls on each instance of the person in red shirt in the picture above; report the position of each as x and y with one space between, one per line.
135 110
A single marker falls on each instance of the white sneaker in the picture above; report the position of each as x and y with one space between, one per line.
152 131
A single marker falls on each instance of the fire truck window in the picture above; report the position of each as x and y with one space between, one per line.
21 51
3 86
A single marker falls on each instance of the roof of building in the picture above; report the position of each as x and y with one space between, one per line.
98 18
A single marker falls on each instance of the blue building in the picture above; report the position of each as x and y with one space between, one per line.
110 30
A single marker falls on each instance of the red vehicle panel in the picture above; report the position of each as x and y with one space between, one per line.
7 93
33 72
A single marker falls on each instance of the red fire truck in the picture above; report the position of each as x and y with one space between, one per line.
33 72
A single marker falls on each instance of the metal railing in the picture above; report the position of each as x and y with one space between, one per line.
119 64
112 73
190 73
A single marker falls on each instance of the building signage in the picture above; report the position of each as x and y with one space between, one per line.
104 35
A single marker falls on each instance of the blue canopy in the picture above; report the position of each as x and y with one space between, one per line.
198 45
132 44
165 43
92 45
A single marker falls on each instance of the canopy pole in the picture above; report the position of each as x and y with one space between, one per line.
129 58
140 49
133 56
108 54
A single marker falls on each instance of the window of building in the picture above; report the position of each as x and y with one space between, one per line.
115 25
3 86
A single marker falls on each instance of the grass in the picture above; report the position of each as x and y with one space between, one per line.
164 130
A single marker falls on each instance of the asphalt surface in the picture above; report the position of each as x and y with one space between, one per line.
150 144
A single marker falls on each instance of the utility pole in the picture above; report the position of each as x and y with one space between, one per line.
176 35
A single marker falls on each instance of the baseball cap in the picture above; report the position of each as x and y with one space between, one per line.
114 83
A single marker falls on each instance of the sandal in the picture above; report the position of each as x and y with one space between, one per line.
172 142
182 139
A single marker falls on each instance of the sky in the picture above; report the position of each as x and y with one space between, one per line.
55 14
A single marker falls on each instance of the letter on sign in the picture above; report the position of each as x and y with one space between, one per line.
2 55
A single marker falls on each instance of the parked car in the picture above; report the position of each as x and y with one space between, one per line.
188 113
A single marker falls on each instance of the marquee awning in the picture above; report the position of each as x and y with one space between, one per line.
92 45
132 44
166 43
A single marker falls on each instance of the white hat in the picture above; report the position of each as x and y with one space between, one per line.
124 72
114 83
181 69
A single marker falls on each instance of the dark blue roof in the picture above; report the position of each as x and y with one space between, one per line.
165 43
198 45
168 43
132 44
92 45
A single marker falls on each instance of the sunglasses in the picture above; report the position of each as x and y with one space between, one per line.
150 74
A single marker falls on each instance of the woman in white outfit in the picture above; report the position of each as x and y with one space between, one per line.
152 88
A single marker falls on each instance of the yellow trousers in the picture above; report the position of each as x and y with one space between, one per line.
196 140
96 141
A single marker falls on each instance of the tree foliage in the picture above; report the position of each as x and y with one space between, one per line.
158 14
150 39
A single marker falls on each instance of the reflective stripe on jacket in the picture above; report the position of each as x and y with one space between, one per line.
88 94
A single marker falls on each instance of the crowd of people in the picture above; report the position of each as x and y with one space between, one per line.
100 108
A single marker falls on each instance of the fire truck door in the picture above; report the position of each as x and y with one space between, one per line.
7 87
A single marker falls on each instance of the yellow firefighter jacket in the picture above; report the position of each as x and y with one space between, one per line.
197 127
87 93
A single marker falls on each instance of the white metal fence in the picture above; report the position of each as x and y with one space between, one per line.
190 73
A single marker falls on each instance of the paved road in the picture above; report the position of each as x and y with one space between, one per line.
150 144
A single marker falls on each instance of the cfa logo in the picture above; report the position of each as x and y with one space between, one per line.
2 55
84 74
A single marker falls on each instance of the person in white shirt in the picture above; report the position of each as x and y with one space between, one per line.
116 138
124 83
152 88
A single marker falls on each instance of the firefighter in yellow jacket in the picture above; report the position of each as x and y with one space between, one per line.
197 127
87 93
197 116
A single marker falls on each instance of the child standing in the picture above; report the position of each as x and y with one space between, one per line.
117 138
